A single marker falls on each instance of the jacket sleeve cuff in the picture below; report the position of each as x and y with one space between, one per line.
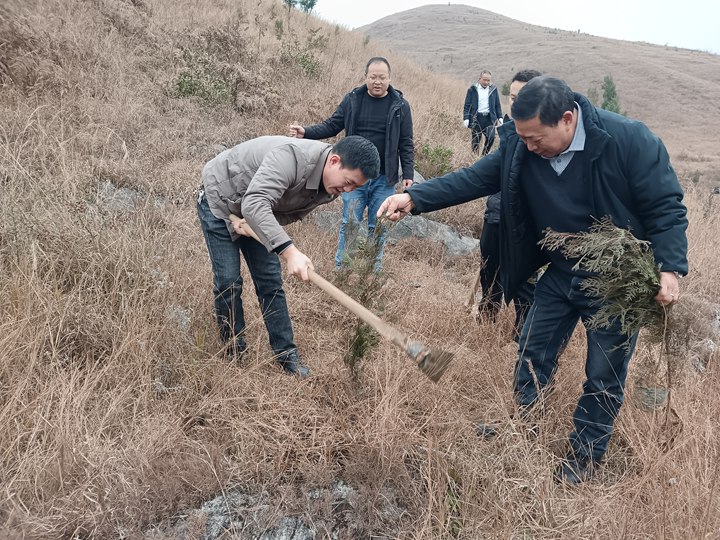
282 247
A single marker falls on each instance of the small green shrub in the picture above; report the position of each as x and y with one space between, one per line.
294 55
363 340
316 41
432 161
611 101
360 279
208 69
309 64
211 90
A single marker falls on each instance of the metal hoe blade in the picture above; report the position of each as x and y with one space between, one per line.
433 362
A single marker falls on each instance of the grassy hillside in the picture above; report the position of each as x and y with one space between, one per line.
118 411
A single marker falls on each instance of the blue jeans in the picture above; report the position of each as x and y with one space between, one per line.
266 274
371 195
559 304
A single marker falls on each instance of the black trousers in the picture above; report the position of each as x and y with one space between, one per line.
482 125
492 294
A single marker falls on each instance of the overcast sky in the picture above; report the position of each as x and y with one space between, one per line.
692 24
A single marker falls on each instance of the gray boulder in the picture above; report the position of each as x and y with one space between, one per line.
409 227
421 227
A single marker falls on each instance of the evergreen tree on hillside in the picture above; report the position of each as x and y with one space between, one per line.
611 102
307 5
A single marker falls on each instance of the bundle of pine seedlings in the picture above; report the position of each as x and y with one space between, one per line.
624 276
625 279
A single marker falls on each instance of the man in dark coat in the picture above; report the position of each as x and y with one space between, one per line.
380 113
563 163
482 112
490 243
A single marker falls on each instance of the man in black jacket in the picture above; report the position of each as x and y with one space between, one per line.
482 112
490 243
378 112
563 163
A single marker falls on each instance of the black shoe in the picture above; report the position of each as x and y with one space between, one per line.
292 364
573 471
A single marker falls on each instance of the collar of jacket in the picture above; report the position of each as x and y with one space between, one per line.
595 136
315 178
491 86
396 94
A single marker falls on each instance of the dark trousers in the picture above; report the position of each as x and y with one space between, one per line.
492 294
482 125
266 274
559 304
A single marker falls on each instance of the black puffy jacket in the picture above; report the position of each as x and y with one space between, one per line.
632 181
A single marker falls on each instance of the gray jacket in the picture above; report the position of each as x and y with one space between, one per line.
270 181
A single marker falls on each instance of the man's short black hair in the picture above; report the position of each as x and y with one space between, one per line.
358 153
545 97
375 60
525 75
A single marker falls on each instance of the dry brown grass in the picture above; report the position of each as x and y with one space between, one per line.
118 414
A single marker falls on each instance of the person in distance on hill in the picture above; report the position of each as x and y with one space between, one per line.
490 243
270 182
482 112
379 112
561 164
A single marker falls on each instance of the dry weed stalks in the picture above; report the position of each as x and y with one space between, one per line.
117 409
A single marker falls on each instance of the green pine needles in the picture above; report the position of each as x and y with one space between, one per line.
625 278
360 279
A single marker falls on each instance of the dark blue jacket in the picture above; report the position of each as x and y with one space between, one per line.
398 136
493 209
631 178
471 104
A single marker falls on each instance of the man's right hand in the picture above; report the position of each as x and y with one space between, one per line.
396 207
296 262
297 131
466 122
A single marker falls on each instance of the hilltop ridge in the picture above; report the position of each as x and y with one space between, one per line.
675 91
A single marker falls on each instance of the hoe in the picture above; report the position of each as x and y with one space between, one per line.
432 361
